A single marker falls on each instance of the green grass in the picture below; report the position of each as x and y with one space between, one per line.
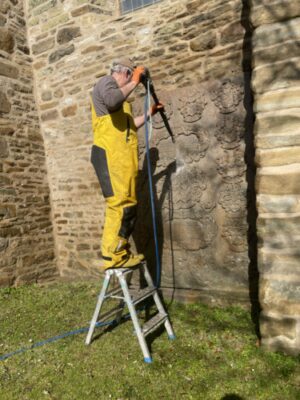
214 356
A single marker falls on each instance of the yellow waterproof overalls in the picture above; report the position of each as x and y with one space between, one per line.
115 159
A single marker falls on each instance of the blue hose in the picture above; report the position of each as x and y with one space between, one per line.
158 268
62 336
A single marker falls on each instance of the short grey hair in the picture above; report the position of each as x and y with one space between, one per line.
118 68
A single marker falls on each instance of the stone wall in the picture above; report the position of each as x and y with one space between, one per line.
276 84
26 237
197 55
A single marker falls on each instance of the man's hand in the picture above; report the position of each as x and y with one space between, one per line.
137 74
156 108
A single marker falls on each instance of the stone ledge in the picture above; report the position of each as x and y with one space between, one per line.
278 75
283 122
278 325
262 13
280 296
271 34
278 204
281 343
276 157
275 53
277 100
275 264
278 180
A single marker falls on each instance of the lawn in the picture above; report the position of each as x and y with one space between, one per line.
215 355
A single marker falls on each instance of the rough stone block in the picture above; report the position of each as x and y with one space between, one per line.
4 180
2 20
3 148
39 64
64 35
3 244
271 326
54 22
5 105
278 180
268 35
44 7
43 46
60 53
6 280
4 6
47 106
33 21
9 70
46 95
7 210
204 42
36 3
232 33
92 48
276 76
69 111
280 156
6 40
270 12
49 115
169 29
281 295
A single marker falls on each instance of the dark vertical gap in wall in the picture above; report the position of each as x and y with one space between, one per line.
253 273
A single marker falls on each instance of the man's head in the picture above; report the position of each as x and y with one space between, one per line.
122 70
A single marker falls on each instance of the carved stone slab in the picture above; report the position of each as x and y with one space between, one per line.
199 187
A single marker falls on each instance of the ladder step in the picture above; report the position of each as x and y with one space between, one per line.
110 313
126 271
154 323
138 295
113 292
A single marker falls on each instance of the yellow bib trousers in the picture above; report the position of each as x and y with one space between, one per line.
115 159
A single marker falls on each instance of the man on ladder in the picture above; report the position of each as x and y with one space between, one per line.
115 158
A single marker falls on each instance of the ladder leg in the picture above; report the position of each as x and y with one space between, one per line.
98 307
133 314
159 303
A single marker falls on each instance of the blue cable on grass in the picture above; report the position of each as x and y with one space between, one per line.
52 339
157 284
62 336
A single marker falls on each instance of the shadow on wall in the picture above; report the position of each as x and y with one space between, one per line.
143 236
253 273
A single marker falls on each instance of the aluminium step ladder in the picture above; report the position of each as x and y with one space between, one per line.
130 297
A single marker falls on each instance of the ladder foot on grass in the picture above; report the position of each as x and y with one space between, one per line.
131 298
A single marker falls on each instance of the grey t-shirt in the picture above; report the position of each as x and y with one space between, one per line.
107 96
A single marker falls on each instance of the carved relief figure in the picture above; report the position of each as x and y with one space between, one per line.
227 96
